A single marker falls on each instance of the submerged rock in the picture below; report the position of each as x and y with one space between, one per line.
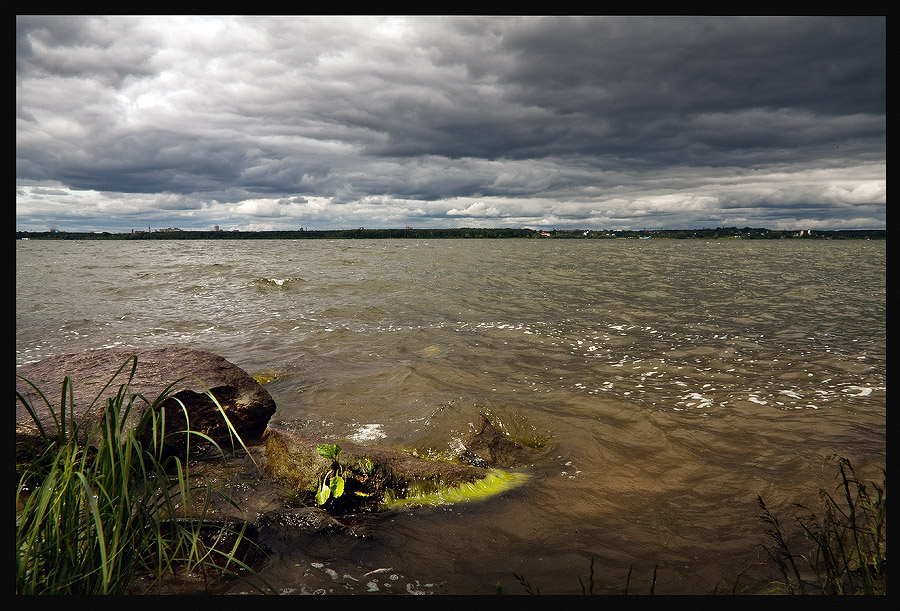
246 403
374 477
488 446
311 518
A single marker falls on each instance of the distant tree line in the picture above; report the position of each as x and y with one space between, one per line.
747 233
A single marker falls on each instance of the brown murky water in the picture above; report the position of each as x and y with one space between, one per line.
678 380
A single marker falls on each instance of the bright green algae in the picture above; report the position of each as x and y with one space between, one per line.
495 482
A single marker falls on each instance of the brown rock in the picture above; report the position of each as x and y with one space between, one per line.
487 446
246 403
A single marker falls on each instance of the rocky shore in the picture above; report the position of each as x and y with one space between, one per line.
282 471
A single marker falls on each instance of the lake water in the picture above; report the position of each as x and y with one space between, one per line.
677 379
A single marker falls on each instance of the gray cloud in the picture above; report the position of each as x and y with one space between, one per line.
607 122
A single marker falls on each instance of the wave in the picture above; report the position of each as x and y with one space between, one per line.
279 282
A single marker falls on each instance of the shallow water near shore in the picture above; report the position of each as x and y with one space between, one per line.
675 379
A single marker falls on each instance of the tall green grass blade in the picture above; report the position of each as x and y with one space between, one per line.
111 503
847 553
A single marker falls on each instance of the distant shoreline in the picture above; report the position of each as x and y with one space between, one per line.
464 233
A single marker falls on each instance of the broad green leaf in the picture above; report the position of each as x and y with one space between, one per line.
328 451
323 493
337 486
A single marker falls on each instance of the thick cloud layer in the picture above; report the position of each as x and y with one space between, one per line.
336 122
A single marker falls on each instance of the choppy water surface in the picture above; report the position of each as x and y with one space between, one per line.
678 380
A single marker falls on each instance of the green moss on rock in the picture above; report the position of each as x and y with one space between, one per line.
494 482
379 478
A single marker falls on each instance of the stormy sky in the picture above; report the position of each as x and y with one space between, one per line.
259 123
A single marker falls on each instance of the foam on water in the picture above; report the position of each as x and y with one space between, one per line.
367 432
639 373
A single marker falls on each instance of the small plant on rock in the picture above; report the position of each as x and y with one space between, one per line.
332 485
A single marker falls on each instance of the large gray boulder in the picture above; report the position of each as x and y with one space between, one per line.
246 403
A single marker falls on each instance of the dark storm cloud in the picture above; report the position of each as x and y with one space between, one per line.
282 122
688 65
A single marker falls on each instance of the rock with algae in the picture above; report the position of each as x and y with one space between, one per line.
379 478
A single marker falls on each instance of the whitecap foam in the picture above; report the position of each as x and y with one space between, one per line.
790 393
860 391
695 400
367 432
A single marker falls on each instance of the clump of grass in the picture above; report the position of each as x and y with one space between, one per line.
848 552
104 504
627 580
523 581
586 590
848 545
